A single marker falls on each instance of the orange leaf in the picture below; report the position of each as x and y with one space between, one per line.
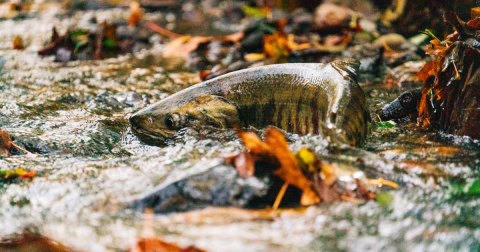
289 171
28 175
18 43
474 23
136 13
157 245
253 143
430 69
276 45
235 37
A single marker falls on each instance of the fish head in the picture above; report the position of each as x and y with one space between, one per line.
154 125
162 120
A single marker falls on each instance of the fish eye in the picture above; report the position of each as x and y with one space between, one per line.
172 121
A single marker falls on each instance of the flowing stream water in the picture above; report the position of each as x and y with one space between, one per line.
75 115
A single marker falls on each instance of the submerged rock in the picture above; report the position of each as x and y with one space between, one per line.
216 186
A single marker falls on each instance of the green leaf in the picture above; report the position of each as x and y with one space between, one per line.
109 43
385 199
253 12
474 188
388 124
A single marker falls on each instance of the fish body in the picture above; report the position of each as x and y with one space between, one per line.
299 98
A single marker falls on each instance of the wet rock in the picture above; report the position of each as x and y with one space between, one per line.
301 22
391 41
217 186
132 98
333 18
404 75
370 57
34 145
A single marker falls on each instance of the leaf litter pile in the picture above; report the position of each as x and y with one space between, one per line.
451 89
319 182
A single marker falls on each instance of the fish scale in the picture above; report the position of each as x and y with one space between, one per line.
299 98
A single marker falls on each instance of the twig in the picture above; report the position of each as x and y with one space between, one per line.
22 149
163 31
280 196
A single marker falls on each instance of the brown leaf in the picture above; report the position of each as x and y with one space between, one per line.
58 42
183 46
18 43
289 171
29 241
438 49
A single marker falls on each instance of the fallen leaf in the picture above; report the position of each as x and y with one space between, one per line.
18 43
18 173
151 244
245 164
183 46
29 241
136 13
474 13
385 199
430 69
6 143
157 245
254 56
276 46
235 37
289 171
253 143
60 46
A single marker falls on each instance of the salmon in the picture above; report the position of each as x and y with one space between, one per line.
308 98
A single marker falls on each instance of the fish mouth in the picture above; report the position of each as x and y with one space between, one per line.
147 137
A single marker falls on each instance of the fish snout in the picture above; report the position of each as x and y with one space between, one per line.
142 127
